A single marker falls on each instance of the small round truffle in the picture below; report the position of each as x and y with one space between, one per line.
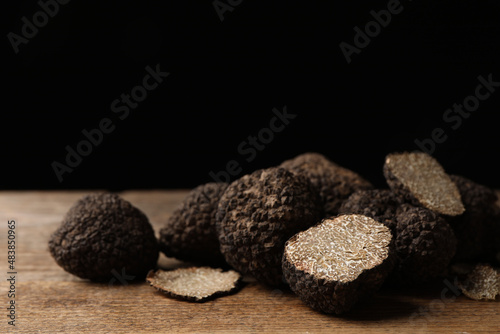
425 244
103 235
334 264
422 181
333 182
475 228
379 204
257 214
195 284
189 233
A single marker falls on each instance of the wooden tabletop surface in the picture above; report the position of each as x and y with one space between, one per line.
49 300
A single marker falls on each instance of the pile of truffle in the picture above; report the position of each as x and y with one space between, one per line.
309 224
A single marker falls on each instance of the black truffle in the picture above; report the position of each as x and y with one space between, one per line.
379 204
257 214
482 283
195 284
475 228
334 264
102 236
422 181
425 244
333 182
189 233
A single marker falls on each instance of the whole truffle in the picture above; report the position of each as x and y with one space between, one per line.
189 233
102 236
379 204
257 214
425 245
421 180
333 182
334 264
475 228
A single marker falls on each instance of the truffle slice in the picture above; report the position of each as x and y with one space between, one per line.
102 236
379 204
482 283
257 214
334 264
422 181
189 233
475 228
333 183
425 244
195 284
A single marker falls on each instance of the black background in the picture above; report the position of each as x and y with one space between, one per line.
227 76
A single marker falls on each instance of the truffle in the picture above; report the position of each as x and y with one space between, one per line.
482 283
332 265
422 181
195 284
257 214
189 233
103 235
424 243
379 204
333 182
475 228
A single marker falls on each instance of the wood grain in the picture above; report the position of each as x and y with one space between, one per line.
50 300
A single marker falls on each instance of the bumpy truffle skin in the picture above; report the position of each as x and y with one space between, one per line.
379 204
102 236
425 244
332 296
333 182
257 214
189 233
474 228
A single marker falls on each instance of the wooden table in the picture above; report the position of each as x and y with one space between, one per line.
49 300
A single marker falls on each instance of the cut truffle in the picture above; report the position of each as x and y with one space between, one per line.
334 264
195 284
103 236
189 233
422 181
482 283
379 204
333 183
424 243
258 213
475 228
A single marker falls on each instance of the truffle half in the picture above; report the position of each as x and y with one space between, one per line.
379 204
424 243
103 235
422 181
195 284
334 264
482 283
333 183
189 233
257 214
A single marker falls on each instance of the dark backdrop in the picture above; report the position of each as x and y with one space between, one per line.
226 77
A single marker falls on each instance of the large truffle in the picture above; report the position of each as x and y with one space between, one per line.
475 228
334 264
333 182
422 181
379 204
103 236
189 233
425 244
257 214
